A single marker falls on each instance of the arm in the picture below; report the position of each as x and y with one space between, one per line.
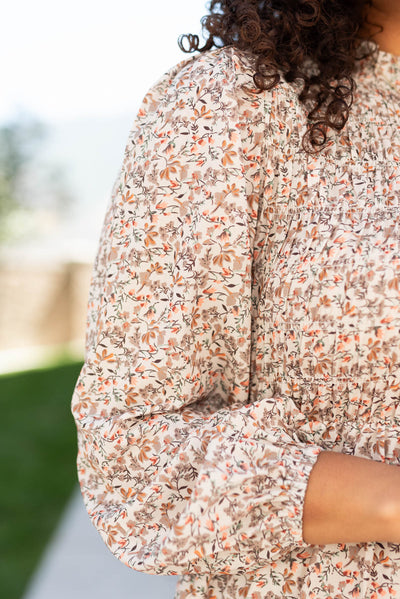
351 499
178 471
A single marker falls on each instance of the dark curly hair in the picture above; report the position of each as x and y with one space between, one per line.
286 34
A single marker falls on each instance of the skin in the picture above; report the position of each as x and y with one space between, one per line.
385 13
351 500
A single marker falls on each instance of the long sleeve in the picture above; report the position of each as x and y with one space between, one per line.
178 470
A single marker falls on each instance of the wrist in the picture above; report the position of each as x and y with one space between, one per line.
389 508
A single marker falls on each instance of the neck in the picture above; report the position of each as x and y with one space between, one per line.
385 14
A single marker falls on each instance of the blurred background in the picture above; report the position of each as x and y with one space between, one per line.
73 75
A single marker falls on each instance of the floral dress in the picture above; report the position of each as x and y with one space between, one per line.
244 315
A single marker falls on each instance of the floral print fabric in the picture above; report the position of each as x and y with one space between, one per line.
244 315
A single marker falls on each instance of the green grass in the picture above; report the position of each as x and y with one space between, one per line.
37 466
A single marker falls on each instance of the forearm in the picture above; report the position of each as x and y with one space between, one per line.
351 500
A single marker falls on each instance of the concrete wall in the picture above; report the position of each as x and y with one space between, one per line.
43 305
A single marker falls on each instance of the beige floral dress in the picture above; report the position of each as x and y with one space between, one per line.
244 314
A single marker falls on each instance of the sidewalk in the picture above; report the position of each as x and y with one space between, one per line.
78 564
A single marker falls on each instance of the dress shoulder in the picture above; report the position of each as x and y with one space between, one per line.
220 82
210 77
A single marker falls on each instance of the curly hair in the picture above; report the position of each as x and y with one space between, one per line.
285 35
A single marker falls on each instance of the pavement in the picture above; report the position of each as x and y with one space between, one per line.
77 564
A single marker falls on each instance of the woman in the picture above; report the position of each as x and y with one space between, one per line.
238 410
